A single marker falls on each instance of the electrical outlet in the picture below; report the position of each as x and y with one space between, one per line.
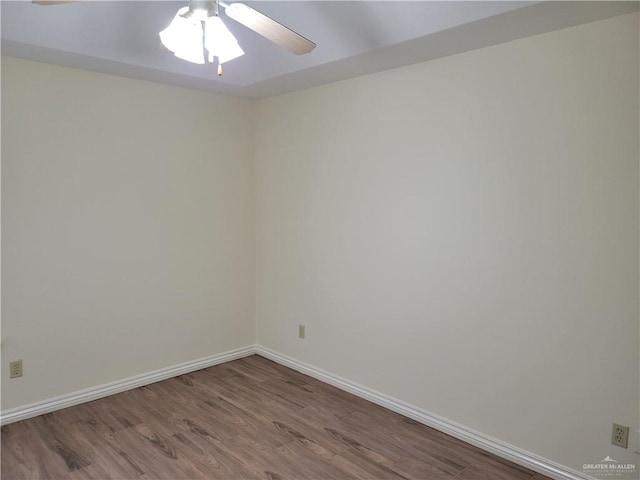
15 369
301 331
620 435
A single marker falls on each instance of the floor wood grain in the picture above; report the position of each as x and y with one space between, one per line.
246 419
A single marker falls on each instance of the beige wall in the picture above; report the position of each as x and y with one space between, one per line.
462 235
128 218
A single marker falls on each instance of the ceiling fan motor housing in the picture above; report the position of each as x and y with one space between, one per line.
202 9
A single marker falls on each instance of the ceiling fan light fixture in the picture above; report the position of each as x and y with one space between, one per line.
183 37
198 27
219 41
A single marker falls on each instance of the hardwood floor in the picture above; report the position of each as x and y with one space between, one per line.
246 419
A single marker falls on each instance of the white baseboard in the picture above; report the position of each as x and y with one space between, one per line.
485 442
94 393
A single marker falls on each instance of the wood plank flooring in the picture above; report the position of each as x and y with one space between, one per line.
246 419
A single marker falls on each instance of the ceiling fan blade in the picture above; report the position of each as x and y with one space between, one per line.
51 2
269 28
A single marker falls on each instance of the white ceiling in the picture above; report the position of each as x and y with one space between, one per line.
353 37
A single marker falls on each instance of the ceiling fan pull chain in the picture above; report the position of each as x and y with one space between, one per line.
217 15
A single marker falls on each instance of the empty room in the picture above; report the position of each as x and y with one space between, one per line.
320 240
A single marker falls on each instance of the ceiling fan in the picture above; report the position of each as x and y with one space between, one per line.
198 27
